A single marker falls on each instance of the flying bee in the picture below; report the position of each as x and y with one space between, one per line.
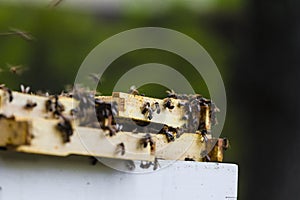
65 127
17 32
130 165
168 104
121 148
133 90
54 3
94 77
30 104
213 112
16 69
171 94
8 91
23 34
24 89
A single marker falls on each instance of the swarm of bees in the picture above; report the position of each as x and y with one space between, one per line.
106 117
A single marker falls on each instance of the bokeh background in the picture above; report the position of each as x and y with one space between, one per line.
254 43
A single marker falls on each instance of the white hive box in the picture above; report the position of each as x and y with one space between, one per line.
35 177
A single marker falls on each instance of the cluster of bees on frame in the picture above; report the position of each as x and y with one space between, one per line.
96 113
194 107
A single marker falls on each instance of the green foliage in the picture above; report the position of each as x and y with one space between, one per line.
64 37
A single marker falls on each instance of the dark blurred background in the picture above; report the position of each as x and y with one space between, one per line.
254 43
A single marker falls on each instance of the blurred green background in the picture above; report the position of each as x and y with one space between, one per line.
249 40
64 35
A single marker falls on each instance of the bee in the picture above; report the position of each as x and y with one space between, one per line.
23 34
130 165
145 108
150 114
54 3
179 132
121 148
2 116
10 95
59 107
204 101
205 156
135 131
114 108
147 139
74 111
9 92
133 90
168 104
147 111
24 89
49 105
65 127
213 111
195 103
94 77
145 165
16 69
30 104
171 94
169 135
111 129
203 133
93 160
13 31
225 144
189 159
156 108
181 104
185 117
155 164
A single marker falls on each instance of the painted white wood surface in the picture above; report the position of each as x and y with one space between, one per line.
36 177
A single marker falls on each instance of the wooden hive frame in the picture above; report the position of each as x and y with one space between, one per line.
34 130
